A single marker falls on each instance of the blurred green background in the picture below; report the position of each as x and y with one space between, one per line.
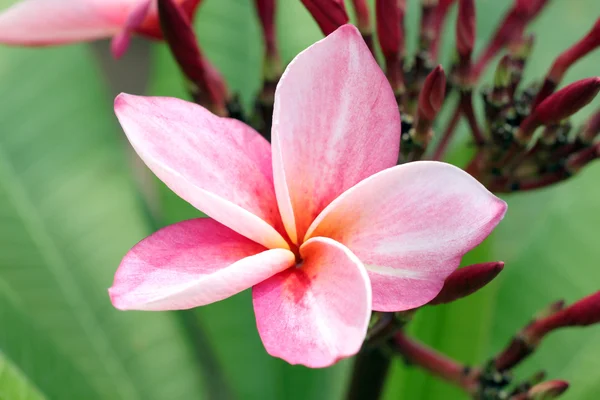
70 209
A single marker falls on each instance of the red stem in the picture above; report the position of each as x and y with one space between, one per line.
445 140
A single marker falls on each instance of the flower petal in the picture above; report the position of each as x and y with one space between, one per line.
219 165
410 226
318 313
335 122
192 263
45 22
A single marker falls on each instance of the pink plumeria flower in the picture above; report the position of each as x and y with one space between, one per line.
54 22
322 225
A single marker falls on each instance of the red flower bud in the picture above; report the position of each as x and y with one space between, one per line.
582 313
563 62
465 28
560 105
588 43
363 19
266 14
510 30
329 14
568 100
210 89
467 280
548 390
591 129
432 94
390 31
390 27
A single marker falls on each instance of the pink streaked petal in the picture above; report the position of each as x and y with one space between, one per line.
318 313
335 123
410 226
134 21
192 263
46 22
219 165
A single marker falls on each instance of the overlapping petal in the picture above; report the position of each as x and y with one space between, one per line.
219 165
192 263
410 225
335 123
316 313
45 22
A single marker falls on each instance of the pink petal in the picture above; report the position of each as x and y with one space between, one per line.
335 123
319 312
45 22
219 165
410 225
192 263
134 21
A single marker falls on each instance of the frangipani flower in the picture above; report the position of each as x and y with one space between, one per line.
321 225
54 22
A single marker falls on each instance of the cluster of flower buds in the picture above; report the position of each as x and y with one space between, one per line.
526 140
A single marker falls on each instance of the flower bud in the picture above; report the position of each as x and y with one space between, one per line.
390 32
591 129
209 88
560 105
565 60
329 14
467 280
582 313
577 161
465 28
390 27
510 30
568 100
588 43
266 15
363 19
432 94
548 390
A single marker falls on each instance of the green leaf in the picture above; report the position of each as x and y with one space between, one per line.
14 385
69 213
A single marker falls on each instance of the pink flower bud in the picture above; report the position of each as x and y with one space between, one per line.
432 94
210 90
465 281
548 390
329 14
465 28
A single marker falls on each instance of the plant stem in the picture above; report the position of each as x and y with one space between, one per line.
436 363
445 140
368 374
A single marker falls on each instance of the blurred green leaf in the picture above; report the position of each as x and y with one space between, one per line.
69 213
14 385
